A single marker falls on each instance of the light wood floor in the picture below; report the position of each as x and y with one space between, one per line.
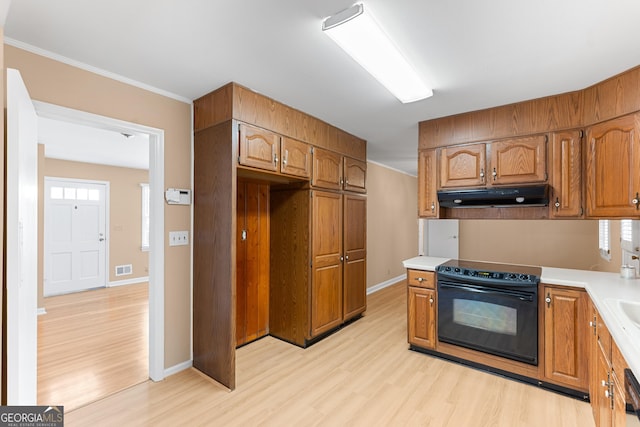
92 344
363 375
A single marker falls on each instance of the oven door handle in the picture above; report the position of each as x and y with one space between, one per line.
483 290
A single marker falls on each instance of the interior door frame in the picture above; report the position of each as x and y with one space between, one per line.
156 231
107 218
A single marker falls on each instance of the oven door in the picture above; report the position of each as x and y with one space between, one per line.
492 319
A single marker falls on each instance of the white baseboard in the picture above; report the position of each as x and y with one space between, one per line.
133 281
41 311
380 286
177 368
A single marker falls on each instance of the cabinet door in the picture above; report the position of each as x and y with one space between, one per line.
421 317
259 148
355 175
327 169
296 158
463 166
604 416
355 252
613 168
566 174
326 284
519 160
565 337
427 185
252 262
593 359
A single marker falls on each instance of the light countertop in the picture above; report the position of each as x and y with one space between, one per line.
605 290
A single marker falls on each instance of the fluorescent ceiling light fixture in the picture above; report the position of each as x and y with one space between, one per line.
355 31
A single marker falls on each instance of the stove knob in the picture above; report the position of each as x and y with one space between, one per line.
473 273
511 276
457 270
524 277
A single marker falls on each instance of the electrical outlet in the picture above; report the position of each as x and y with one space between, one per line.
178 238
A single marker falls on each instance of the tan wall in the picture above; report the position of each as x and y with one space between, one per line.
392 224
562 244
125 210
57 83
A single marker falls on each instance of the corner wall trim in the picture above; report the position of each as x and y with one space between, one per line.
380 286
178 368
128 281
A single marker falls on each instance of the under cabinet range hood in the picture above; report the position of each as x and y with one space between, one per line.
495 197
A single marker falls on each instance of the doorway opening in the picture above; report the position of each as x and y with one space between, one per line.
144 297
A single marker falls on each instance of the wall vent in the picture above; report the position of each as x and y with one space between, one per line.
124 270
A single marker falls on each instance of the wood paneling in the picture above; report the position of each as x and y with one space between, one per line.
524 118
252 264
355 254
214 252
290 265
240 103
614 97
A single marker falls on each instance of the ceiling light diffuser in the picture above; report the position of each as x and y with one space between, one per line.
358 34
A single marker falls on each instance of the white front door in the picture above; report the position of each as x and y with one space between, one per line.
74 236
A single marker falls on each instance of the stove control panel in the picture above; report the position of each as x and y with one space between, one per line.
498 276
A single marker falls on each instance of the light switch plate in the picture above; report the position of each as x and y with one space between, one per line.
178 238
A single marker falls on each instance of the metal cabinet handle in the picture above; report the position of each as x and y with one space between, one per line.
284 159
433 206
495 174
431 301
636 201
557 204
482 174
275 159
548 300
346 257
420 279
341 259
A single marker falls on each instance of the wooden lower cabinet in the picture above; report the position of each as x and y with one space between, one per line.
608 398
355 256
318 262
422 319
421 313
565 337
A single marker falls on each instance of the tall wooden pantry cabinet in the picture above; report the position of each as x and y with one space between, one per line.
279 227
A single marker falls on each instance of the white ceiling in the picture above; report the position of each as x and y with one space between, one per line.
476 54
80 143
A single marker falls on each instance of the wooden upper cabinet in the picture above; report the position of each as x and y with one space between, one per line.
613 168
355 175
427 184
259 148
463 166
519 160
296 158
327 169
566 175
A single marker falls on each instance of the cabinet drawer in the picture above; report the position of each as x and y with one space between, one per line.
422 279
